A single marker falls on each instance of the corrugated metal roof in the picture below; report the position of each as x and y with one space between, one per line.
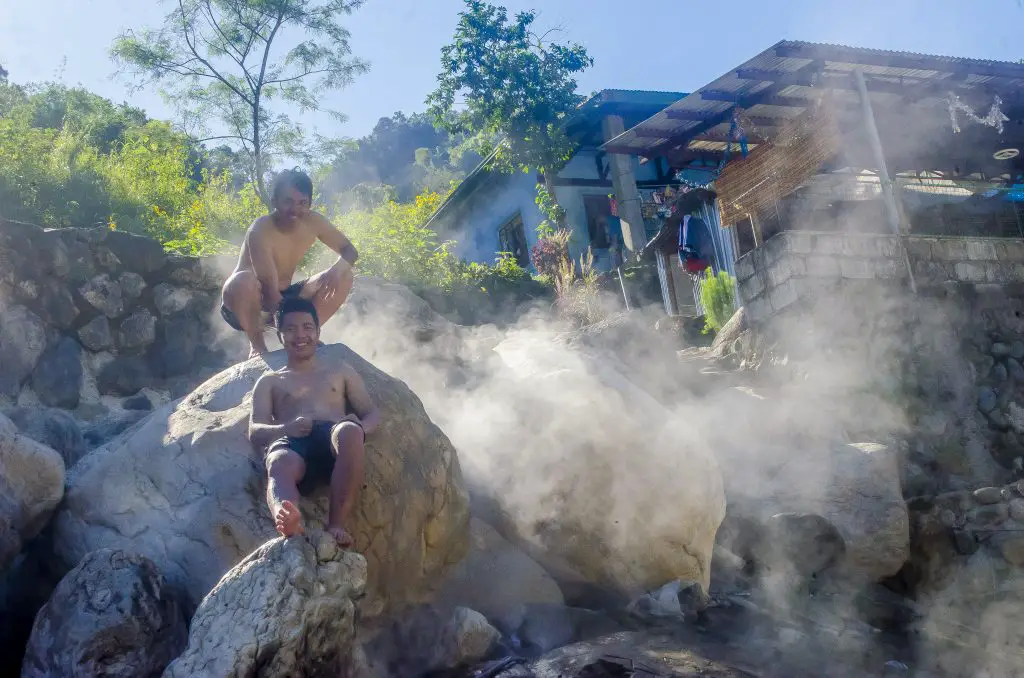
791 71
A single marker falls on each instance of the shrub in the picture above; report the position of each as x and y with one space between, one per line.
717 295
550 251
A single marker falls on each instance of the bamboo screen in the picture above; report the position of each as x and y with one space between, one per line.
774 170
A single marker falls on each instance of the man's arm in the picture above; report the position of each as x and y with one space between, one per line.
262 429
263 265
335 239
359 398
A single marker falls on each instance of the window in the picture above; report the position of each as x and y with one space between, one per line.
512 239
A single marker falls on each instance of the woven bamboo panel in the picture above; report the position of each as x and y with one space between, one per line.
774 170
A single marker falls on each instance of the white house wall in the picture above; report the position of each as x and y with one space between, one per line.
477 220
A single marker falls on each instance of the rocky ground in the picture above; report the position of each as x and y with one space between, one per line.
539 503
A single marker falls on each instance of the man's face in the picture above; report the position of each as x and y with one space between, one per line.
299 335
291 204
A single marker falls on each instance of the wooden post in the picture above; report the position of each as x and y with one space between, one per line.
892 212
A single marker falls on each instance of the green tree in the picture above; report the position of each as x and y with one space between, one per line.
503 85
717 296
231 60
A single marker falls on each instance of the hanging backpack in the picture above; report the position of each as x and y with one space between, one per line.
689 258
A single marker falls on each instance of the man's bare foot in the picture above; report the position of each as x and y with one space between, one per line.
345 539
288 519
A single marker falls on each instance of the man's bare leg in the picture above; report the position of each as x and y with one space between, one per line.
329 289
242 296
346 480
284 472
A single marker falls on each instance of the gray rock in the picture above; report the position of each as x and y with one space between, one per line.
188 492
107 259
546 626
137 330
987 399
55 305
194 272
22 342
310 585
986 516
999 372
124 375
1016 507
989 495
169 299
53 427
108 427
138 402
81 266
964 542
1017 350
110 616
1000 350
1016 370
31 487
177 342
132 284
999 420
105 295
804 542
137 253
57 377
95 335
1011 546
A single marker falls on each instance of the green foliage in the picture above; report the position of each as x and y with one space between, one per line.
71 158
547 204
717 295
509 90
229 60
406 153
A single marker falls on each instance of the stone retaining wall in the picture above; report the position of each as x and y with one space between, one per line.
89 317
795 265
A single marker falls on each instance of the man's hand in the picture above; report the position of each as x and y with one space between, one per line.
299 427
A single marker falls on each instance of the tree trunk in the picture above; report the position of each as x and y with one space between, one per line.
257 153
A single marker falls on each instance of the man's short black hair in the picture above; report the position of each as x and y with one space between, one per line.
296 305
293 178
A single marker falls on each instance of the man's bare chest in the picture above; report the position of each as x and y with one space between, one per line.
308 394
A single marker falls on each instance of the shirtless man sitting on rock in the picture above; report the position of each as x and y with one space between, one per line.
300 416
273 247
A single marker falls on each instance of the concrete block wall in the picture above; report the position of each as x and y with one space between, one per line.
795 265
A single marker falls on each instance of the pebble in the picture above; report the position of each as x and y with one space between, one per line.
948 518
1017 350
1000 350
1019 485
999 372
986 399
989 495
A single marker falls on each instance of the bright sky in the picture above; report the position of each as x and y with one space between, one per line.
636 44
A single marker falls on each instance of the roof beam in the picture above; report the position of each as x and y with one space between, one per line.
825 80
720 117
868 57
733 97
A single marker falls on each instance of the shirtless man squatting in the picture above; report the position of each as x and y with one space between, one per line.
273 247
300 416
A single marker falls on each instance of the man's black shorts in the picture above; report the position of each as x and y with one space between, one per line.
315 450
293 290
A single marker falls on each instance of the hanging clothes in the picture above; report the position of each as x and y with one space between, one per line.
694 245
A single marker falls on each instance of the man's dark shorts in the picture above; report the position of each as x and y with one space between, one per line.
315 450
293 290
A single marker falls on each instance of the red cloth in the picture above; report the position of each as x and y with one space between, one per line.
696 265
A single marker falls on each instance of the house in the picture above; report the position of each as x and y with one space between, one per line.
491 212
829 163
